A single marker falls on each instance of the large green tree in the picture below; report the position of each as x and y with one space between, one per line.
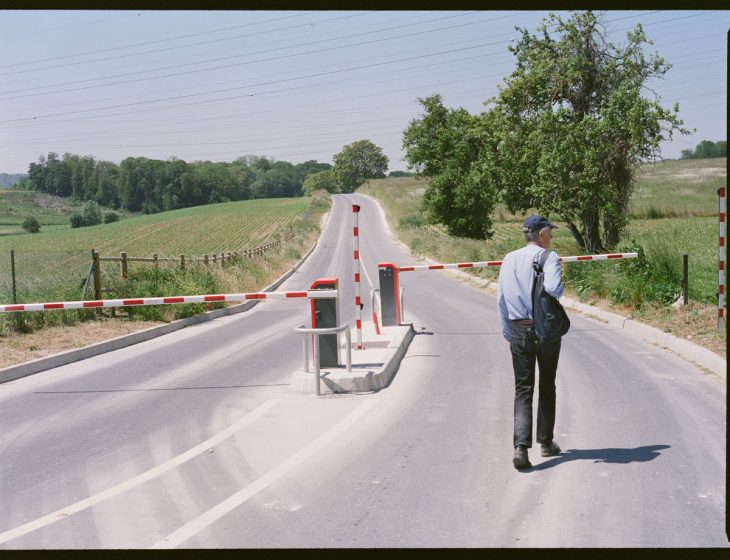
564 135
448 146
324 180
358 162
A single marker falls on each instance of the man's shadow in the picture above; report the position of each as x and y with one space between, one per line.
609 455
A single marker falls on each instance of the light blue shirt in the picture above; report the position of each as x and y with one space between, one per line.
514 290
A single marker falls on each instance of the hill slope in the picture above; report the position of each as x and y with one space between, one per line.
54 264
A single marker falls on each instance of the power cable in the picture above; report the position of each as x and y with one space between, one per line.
97 51
271 59
249 86
203 43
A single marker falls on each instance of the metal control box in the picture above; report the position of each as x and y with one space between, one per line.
326 314
389 293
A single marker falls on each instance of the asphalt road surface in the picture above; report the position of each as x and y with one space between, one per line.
195 439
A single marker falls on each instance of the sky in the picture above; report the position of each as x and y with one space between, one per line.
294 85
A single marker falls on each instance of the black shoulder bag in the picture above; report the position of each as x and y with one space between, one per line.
551 320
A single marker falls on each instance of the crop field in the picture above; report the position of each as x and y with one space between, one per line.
678 188
54 264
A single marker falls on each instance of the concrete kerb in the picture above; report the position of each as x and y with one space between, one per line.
11 373
687 350
372 368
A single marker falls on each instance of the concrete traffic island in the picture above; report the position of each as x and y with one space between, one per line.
372 367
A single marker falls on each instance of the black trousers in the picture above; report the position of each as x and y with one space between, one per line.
525 351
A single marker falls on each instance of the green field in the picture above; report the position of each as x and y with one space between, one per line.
677 188
53 264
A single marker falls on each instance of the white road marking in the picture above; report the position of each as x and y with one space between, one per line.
261 483
137 480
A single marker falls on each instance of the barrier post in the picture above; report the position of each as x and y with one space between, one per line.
721 262
326 314
358 302
389 294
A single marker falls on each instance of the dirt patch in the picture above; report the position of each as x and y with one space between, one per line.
19 348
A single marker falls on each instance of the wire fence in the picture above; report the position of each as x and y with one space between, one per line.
28 276
31 276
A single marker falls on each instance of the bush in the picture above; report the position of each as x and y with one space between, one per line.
411 221
150 208
31 224
91 213
653 279
111 217
77 220
163 282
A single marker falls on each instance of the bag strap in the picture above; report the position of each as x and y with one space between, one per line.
544 256
539 262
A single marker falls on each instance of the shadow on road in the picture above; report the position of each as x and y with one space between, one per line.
621 456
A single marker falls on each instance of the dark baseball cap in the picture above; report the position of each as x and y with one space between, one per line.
536 223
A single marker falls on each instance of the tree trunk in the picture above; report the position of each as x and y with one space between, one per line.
612 231
591 231
576 234
614 223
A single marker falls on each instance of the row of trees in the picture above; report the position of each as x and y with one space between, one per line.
149 185
706 149
564 135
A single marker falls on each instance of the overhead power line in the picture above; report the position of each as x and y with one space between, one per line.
134 45
248 86
271 59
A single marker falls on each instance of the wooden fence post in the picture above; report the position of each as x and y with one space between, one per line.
97 277
182 262
123 265
154 260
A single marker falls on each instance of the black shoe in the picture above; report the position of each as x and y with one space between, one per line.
520 459
549 449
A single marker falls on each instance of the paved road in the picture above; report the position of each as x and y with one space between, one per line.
195 439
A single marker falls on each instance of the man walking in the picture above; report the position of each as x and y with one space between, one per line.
514 299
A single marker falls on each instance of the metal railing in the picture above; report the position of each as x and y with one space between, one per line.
316 332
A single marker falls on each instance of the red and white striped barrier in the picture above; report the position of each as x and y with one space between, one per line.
721 262
579 258
358 303
310 294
